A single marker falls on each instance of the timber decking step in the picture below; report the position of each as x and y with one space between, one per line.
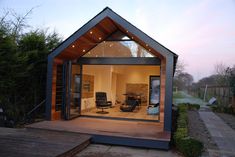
40 143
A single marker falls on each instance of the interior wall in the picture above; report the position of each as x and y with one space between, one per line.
133 74
114 87
112 79
102 83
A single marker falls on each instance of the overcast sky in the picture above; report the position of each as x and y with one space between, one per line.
201 32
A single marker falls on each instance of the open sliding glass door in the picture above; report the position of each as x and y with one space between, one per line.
71 90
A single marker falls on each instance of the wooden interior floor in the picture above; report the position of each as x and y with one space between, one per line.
139 113
108 127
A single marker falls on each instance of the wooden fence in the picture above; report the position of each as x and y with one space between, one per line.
223 94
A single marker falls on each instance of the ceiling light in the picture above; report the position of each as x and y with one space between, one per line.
91 32
73 46
83 50
100 38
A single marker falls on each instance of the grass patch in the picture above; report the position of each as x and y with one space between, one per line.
178 95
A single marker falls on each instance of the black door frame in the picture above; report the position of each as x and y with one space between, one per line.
66 98
151 76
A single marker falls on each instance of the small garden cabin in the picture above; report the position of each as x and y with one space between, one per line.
109 69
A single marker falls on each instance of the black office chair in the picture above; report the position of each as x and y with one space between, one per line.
101 102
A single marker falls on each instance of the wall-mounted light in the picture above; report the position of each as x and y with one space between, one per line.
83 50
147 45
91 32
100 38
73 46
149 49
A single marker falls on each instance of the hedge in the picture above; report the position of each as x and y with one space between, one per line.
186 145
223 109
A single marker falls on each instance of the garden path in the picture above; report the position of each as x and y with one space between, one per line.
221 133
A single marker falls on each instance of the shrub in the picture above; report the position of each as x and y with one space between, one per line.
182 108
188 106
193 106
181 123
180 134
222 109
190 147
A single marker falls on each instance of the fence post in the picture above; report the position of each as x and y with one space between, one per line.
204 98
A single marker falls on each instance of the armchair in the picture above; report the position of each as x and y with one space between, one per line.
102 103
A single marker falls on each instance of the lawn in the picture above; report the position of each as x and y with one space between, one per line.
183 97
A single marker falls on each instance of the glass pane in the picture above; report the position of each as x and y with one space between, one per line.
154 90
118 36
118 49
75 91
59 89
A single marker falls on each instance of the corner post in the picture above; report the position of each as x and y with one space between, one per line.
49 87
168 93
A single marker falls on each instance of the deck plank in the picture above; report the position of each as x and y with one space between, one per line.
119 128
118 132
40 143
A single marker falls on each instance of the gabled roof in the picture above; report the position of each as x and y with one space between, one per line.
101 27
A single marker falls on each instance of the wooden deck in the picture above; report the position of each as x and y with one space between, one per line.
120 132
40 143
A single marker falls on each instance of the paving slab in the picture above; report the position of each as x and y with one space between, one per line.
94 150
221 133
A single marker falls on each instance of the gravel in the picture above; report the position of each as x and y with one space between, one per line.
198 130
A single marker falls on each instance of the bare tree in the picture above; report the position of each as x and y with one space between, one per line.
182 79
222 73
180 67
14 22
